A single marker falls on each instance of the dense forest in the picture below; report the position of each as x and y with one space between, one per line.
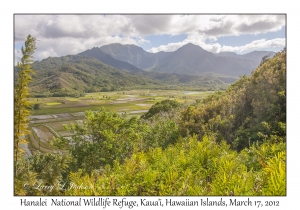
231 143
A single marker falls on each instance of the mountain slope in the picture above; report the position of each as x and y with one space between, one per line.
192 59
254 56
94 70
257 55
72 75
166 78
134 55
189 59
109 60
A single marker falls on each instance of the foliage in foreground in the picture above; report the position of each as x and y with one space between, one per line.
191 167
20 109
106 136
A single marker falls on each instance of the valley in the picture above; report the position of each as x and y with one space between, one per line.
63 88
47 122
124 79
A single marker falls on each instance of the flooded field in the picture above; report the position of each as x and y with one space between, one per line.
63 115
41 117
43 133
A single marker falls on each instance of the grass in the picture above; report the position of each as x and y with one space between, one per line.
109 100
53 103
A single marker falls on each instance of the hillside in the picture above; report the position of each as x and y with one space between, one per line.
118 67
251 109
72 75
205 81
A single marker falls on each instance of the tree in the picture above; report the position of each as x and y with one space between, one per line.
163 106
51 170
104 137
21 103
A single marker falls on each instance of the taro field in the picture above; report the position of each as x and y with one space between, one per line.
47 122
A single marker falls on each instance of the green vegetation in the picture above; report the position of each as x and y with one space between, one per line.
159 107
75 75
54 112
114 101
228 143
190 167
36 106
20 101
53 103
251 109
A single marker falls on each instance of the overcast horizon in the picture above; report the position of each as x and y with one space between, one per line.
60 35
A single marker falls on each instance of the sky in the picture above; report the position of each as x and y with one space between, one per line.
60 35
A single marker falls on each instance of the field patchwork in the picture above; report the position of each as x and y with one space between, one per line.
48 121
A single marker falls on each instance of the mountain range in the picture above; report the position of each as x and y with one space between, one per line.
116 67
189 59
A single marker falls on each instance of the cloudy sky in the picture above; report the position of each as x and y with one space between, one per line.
60 35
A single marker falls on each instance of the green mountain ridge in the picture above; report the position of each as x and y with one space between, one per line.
73 75
119 67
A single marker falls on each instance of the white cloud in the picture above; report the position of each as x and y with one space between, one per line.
142 41
210 25
194 38
216 48
167 48
71 46
75 26
60 35
257 44
18 56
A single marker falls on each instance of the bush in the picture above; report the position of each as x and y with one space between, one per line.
36 106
